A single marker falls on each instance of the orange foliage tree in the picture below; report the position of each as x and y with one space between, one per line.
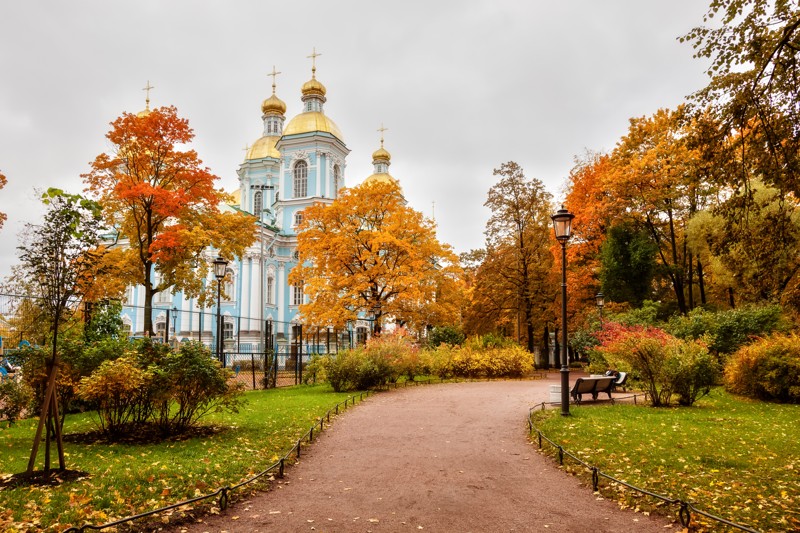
368 253
163 205
589 198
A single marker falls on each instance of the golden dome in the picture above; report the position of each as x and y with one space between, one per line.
381 153
313 88
312 121
382 178
264 147
273 104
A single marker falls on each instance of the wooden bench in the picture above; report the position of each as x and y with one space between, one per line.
593 386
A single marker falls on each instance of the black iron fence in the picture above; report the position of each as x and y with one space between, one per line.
261 353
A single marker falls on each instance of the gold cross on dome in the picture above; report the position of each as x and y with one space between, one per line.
274 74
314 55
147 97
382 129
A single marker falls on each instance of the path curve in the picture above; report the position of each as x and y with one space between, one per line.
435 458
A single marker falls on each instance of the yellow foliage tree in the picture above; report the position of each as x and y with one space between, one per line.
368 253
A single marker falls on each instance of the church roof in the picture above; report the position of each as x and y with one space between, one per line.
311 121
263 147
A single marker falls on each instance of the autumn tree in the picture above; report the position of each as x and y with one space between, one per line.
656 180
163 205
754 52
60 255
368 253
514 279
757 253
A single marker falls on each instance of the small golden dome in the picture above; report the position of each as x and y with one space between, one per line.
313 88
273 104
381 154
264 147
312 121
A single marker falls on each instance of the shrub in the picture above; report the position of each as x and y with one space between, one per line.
359 369
727 331
314 370
116 388
473 360
768 369
198 385
697 372
15 399
661 363
450 335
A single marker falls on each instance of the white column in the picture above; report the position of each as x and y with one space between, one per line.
281 292
246 283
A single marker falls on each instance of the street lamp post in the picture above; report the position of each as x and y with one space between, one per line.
562 224
174 325
601 300
220 265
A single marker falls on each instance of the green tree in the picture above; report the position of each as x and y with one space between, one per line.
60 254
628 265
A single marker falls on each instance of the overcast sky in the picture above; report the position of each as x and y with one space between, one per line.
462 86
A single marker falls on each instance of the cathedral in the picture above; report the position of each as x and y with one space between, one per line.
294 164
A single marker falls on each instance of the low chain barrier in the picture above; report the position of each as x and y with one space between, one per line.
685 508
223 494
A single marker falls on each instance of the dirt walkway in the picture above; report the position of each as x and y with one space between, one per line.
442 458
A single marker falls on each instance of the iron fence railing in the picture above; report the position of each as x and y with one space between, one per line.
261 353
685 508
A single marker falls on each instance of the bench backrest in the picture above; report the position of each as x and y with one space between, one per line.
585 385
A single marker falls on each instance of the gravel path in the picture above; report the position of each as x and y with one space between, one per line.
441 458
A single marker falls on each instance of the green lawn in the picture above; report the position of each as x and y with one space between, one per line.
129 479
734 458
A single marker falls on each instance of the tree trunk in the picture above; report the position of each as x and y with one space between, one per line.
701 282
691 282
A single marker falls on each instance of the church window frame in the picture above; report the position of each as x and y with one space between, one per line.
300 179
337 178
298 218
227 329
297 294
270 296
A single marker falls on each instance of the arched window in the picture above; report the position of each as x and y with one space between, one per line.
337 177
258 204
300 179
298 218
270 290
227 329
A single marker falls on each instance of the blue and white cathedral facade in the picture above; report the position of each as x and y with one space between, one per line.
291 166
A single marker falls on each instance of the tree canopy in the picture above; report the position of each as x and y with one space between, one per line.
162 203
369 254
